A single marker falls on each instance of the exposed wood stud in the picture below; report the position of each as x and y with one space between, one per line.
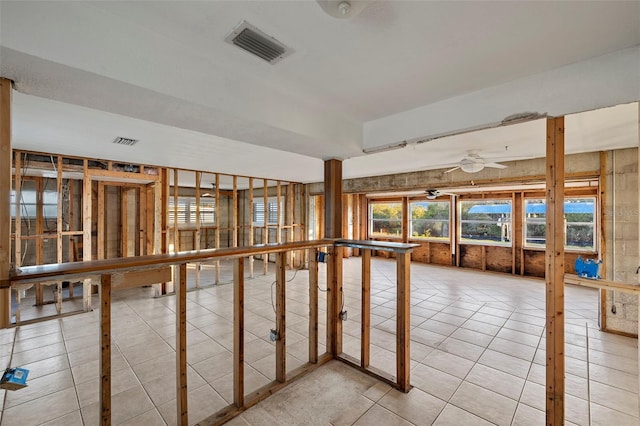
196 239
403 321
334 301
265 235
281 346
365 325
313 305
234 217
105 349
181 347
5 195
86 232
251 230
602 189
554 276
238 332
278 213
217 220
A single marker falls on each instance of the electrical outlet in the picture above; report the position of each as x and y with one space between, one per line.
343 315
273 335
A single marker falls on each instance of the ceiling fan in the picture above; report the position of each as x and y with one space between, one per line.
210 194
473 163
432 194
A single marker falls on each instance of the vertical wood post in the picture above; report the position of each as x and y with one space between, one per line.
181 347
86 232
217 218
405 219
105 349
197 237
234 218
238 332
403 322
365 325
251 236
265 235
554 275
313 306
333 229
602 241
281 343
5 198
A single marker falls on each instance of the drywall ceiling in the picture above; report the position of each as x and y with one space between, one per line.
397 71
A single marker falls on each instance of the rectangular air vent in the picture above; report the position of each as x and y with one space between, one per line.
258 43
125 141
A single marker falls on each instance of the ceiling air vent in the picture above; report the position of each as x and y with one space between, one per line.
125 141
256 42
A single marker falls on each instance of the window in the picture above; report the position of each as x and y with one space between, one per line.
28 201
579 223
187 209
272 218
485 222
429 220
385 219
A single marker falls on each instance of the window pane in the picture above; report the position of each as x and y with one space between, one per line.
429 219
385 219
485 222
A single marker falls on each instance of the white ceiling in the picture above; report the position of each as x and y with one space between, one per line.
160 71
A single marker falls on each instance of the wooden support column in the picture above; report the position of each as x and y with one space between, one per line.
365 327
405 219
59 230
17 254
403 322
313 306
86 232
5 197
333 229
105 349
602 199
265 235
163 223
238 332
217 218
289 204
517 253
281 346
101 221
181 347
234 218
251 236
196 239
278 213
554 275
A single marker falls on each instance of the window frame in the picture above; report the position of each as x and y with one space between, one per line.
509 223
411 220
371 220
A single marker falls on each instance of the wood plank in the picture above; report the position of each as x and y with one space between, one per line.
217 221
5 194
238 332
86 232
18 210
289 204
554 276
251 230
234 218
278 213
405 219
281 311
602 248
333 198
313 305
181 348
265 235
334 301
365 325
403 321
150 218
164 220
105 349
100 174
141 220
134 279
602 284
196 238
101 221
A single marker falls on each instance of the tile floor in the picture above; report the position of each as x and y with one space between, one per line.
477 354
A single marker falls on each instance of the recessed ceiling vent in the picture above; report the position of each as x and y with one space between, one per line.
258 43
125 141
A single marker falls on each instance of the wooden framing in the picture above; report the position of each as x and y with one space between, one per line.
238 332
234 215
313 305
289 205
281 311
105 351
251 230
217 219
86 232
333 229
365 324
403 321
196 242
265 234
278 214
181 347
5 195
602 237
555 368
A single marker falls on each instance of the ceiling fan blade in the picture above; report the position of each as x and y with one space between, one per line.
495 165
450 170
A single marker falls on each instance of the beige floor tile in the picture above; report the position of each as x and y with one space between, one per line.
454 416
603 416
509 347
253 380
37 342
150 418
417 406
202 403
612 377
506 363
533 395
351 414
495 380
40 387
448 363
72 419
46 366
163 388
141 353
124 406
377 391
434 382
42 409
378 416
462 349
481 327
215 367
614 398
38 354
121 380
484 403
528 416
